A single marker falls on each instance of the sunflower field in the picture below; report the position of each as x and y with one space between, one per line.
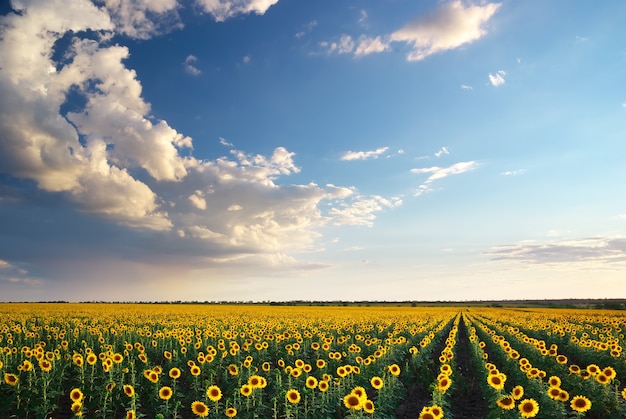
256 361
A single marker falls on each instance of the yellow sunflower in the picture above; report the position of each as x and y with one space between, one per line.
580 404
293 396
199 409
506 402
214 393
528 408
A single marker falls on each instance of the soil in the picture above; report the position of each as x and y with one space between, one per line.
468 401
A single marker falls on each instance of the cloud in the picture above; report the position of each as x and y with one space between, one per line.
345 45
361 211
514 172
497 79
111 164
449 26
189 66
443 151
225 9
437 173
368 46
364 155
143 19
246 59
604 251
466 87
307 29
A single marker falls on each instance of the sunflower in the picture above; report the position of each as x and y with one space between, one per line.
233 370
427 413
92 359
195 370
129 390
506 402
554 393
214 393
561 359
353 401
311 382
165 393
199 409
11 379
602 378
293 396
609 372
394 369
266 366
554 381
359 392
77 408
563 396
296 372
528 408
574 369
153 376
246 390
377 382
76 395
341 371
580 404
496 381
323 386
593 369
368 406
231 412
517 392
437 411
130 414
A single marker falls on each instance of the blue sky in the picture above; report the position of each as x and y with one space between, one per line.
278 150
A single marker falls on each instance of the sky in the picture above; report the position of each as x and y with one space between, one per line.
255 150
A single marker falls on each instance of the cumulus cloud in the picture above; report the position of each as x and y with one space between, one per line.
449 26
345 45
225 9
362 210
436 173
364 155
497 79
368 46
112 160
143 19
604 251
443 151
189 65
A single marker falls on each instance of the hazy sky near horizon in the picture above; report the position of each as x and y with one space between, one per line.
321 150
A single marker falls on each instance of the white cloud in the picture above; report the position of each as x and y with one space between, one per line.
368 46
197 199
497 79
443 151
466 87
437 173
246 59
362 16
189 66
225 143
307 29
113 160
225 9
363 155
609 252
345 45
362 210
516 172
143 19
450 26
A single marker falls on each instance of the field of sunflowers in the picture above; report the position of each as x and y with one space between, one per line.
256 361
